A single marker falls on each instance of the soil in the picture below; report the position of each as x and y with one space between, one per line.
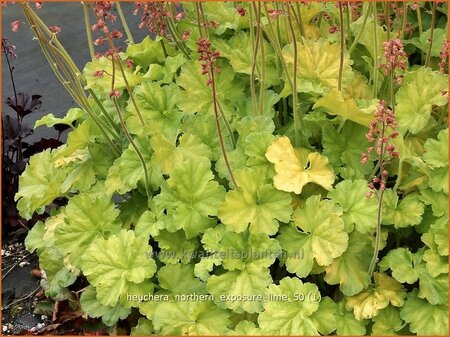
19 288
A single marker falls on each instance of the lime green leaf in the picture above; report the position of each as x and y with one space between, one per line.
408 267
34 240
407 212
226 16
437 236
57 276
156 104
386 291
297 167
193 82
421 90
168 155
350 269
82 226
438 179
302 312
238 50
387 323
322 239
425 319
246 328
437 200
175 247
439 37
238 249
190 318
93 308
347 324
147 225
402 263
436 151
255 204
333 103
148 51
359 212
317 66
231 288
112 265
143 328
191 196
39 184
101 85
127 171
180 279
50 119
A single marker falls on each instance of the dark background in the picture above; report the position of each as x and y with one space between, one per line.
32 73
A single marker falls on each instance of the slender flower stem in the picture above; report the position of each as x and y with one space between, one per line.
419 20
341 60
300 20
87 23
295 105
367 12
347 21
404 20
219 131
375 51
374 260
124 22
262 81
255 46
433 21
388 21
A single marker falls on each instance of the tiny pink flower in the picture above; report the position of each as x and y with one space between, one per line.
55 29
241 10
15 25
130 63
99 73
114 93
185 35
179 16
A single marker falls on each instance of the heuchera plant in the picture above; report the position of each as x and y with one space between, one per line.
284 162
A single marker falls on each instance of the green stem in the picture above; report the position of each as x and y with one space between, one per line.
87 22
124 23
419 19
367 11
433 20
219 131
300 20
295 108
375 51
133 144
387 18
347 21
374 260
252 73
341 60
404 20
399 174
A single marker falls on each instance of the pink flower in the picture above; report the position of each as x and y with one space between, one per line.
241 11
38 4
395 56
99 41
274 13
185 35
179 16
333 29
15 25
130 63
99 73
55 29
9 48
382 129
116 34
209 59
444 57
114 93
